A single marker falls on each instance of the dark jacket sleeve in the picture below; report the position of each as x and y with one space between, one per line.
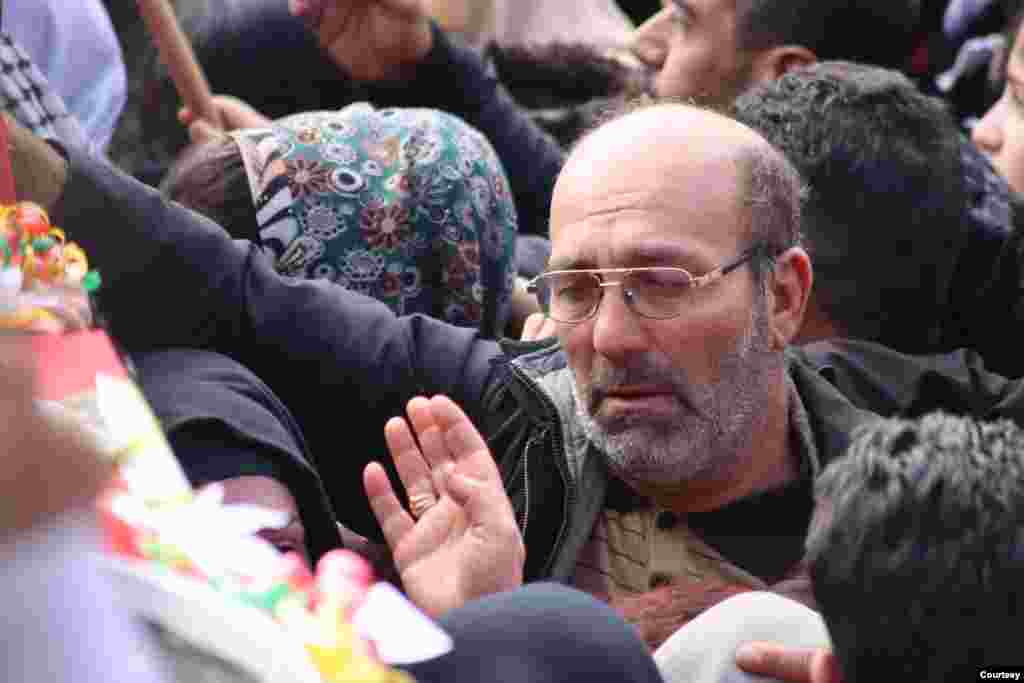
342 363
458 80
892 384
998 319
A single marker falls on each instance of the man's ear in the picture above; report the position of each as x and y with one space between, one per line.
817 325
772 63
789 290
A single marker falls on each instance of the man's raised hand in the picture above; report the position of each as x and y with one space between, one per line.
459 540
370 39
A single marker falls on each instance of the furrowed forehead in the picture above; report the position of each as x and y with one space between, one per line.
633 254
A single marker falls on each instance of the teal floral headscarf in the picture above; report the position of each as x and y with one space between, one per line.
409 206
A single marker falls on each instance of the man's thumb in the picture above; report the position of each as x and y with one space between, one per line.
200 131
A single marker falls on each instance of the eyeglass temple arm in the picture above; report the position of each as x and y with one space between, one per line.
719 273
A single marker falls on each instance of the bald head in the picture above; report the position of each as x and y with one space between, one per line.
690 158
655 133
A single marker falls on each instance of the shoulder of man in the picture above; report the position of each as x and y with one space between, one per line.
893 384
513 400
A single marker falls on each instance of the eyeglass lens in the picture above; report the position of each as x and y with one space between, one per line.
653 293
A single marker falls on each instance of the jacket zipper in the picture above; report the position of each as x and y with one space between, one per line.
525 517
559 448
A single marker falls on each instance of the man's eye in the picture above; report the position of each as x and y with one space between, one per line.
575 291
662 279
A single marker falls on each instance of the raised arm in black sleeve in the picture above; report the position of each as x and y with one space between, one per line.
342 363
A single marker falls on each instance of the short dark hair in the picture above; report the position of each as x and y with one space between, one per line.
211 179
884 213
878 32
917 552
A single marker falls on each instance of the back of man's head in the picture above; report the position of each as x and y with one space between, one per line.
878 32
917 551
884 216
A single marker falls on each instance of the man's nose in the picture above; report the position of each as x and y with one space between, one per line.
988 132
650 40
618 331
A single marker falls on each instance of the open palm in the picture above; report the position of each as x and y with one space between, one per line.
371 39
465 543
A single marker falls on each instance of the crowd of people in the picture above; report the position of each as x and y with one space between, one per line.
788 443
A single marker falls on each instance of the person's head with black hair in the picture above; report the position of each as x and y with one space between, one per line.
917 549
884 215
713 50
831 29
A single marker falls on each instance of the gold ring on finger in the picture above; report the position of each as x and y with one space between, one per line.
420 503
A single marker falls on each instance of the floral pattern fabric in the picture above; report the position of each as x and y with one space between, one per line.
410 206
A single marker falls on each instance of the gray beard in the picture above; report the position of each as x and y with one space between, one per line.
709 440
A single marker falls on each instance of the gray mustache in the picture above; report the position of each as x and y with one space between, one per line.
606 378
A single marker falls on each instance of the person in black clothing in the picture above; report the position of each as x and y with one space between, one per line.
915 556
901 213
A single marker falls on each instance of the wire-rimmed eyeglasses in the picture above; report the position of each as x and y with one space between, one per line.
658 292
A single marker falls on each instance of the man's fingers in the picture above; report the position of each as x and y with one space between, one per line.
412 468
463 440
484 504
538 326
472 496
432 530
428 432
532 327
200 131
236 113
793 665
392 517
233 113
481 491
464 490
548 329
